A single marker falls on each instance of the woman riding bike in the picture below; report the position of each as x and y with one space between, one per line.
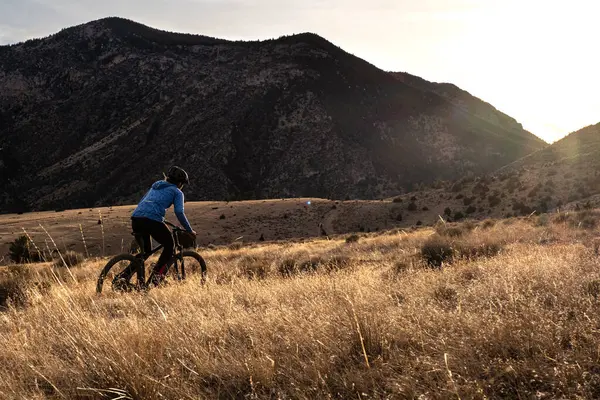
147 219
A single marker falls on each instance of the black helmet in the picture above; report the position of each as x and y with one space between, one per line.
177 175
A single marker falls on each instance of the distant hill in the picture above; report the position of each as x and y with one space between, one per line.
93 114
564 176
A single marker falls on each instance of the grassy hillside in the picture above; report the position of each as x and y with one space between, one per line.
512 313
216 222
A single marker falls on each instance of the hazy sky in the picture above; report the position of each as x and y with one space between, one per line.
534 60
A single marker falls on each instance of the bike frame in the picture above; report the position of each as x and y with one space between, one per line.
177 256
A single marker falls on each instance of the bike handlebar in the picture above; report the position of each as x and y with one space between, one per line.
173 226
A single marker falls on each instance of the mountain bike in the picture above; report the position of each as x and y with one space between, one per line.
183 260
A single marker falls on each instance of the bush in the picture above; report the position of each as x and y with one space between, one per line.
494 200
458 216
72 259
470 210
446 296
473 251
488 223
447 211
235 246
222 216
338 262
457 187
22 251
468 200
401 267
440 249
450 231
585 219
13 285
352 238
436 251
412 206
287 267
397 200
254 268
290 267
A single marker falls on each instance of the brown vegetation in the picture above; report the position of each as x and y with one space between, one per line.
320 319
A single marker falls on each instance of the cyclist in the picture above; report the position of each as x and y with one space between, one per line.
147 219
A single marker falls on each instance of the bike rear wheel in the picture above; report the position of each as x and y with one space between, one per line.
115 267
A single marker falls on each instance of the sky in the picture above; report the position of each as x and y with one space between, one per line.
534 60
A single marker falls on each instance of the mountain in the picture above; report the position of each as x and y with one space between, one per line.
464 100
564 176
93 114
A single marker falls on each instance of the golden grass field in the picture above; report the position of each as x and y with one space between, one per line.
216 222
371 321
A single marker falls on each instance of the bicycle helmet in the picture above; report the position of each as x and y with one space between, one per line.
177 175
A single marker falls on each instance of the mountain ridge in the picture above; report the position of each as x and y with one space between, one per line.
289 117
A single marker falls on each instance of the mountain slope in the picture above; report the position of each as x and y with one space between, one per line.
564 176
93 114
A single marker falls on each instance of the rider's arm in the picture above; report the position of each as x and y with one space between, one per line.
178 206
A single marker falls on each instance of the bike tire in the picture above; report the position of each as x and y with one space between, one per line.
193 262
122 261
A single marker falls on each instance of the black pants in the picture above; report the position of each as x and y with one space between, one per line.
161 233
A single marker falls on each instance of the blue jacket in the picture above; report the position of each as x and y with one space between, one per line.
160 197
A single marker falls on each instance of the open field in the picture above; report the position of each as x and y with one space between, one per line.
512 313
216 222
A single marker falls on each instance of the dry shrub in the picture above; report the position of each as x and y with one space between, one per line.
450 230
254 268
235 246
338 262
400 267
405 264
353 238
367 340
290 267
437 250
488 224
473 250
14 283
446 296
525 330
470 273
72 259
587 219
287 267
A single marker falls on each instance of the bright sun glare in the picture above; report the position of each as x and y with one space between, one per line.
533 60
539 63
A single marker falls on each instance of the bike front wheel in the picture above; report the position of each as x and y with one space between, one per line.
188 261
123 266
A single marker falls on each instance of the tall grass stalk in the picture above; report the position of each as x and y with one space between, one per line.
59 253
30 240
87 254
102 231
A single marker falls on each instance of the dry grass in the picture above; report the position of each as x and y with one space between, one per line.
369 321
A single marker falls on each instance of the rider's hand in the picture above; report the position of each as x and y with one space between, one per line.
194 233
